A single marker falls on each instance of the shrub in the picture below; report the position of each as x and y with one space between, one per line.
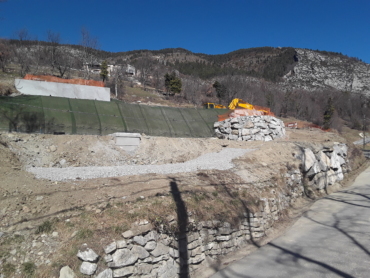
45 227
84 233
28 269
8 269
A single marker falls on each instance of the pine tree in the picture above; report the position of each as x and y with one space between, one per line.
167 82
104 71
176 85
172 83
220 90
328 114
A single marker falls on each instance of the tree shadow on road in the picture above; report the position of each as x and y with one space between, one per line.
182 222
291 257
344 225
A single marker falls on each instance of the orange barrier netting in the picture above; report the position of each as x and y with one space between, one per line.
303 125
265 110
258 111
49 78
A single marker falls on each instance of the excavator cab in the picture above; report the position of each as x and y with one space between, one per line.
210 105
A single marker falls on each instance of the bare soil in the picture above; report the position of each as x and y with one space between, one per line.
109 205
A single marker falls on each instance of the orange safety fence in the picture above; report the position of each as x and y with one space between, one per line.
49 78
303 125
266 110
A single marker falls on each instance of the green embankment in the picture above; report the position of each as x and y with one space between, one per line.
41 114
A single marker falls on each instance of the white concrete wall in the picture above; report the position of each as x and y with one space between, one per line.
42 88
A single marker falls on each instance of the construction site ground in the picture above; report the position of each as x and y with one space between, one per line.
96 211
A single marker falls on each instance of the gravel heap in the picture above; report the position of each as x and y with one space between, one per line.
211 161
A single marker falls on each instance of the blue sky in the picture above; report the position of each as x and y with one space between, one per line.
211 27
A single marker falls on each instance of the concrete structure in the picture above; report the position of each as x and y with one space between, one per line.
128 69
127 141
42 88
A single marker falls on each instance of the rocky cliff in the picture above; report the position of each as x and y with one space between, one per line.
315 70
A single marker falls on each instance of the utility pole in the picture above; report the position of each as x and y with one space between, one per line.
364 126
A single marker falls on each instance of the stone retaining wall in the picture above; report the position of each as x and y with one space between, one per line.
146 252
325 166
250 128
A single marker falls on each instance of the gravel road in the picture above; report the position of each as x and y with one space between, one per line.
211 161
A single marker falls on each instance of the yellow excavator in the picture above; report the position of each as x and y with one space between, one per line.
238 103
210 105
234 104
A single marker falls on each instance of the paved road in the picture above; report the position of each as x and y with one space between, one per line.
332 239
361 141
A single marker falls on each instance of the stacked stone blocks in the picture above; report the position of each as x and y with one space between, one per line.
250 128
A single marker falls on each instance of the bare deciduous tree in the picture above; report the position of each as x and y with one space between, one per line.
5 54
144 65
89 45
60 58
118 75
21 51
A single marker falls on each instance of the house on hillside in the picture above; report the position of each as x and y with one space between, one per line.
96 68
93 68
130 70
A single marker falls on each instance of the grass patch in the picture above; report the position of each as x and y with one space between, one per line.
140 93
118 229
8 269
84 233
28 269
198 197
16 239
45 227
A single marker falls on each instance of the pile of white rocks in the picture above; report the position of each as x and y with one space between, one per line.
250 128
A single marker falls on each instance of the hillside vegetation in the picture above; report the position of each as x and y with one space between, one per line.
323 87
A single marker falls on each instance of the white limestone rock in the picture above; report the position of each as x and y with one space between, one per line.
110 248
66 272
168 269
151 245
309 159
140 240
160 250
123 257
334 161
140 252
87 255
88 268
124 271
107 273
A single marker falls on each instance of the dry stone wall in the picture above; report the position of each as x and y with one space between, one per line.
147 252
250 128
